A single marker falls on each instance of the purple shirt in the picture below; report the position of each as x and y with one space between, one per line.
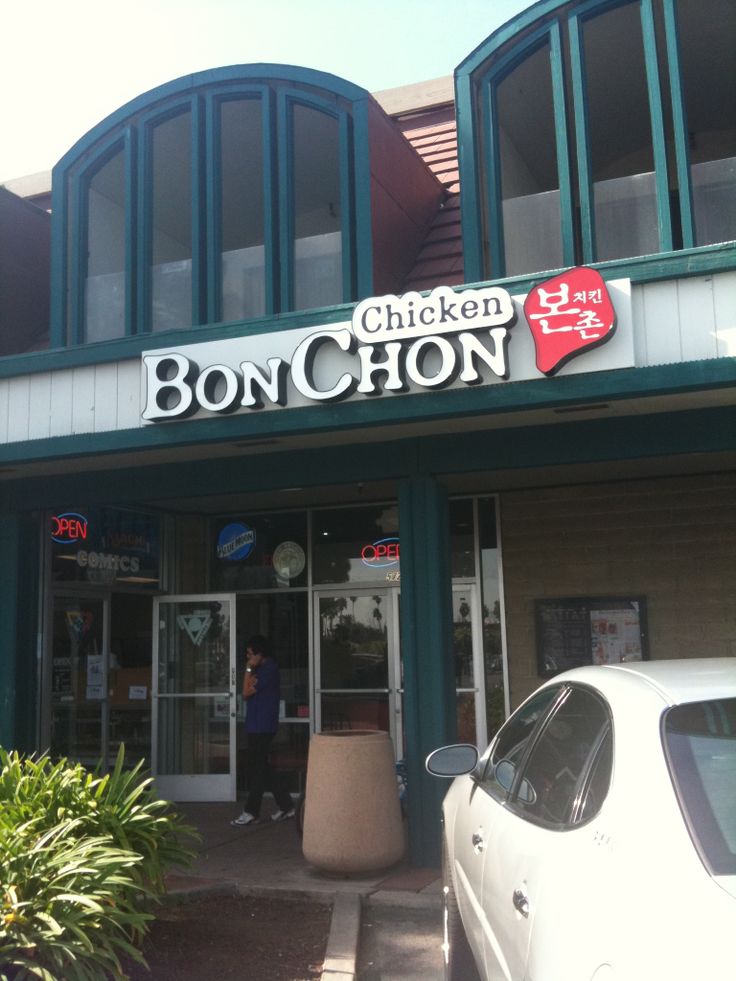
262 708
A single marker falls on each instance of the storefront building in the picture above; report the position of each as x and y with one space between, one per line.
435 389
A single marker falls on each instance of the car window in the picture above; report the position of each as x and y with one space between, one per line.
556 774
512 740
700 739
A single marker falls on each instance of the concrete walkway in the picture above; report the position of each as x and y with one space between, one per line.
385 926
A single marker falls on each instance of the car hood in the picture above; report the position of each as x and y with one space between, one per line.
727 882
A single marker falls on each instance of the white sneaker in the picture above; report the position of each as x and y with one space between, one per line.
245 818
282 815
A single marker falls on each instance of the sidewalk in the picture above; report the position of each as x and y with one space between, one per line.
267 859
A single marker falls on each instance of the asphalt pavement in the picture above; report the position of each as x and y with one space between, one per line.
385 925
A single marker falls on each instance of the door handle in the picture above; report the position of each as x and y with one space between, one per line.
521 903
479 842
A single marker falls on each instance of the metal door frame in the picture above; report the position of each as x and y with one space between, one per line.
195 787
395 689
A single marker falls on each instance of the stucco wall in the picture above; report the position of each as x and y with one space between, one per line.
671 540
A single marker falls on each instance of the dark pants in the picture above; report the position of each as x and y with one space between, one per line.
261 776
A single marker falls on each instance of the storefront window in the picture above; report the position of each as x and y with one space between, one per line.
620 135
707 73
317 209
242 250
104 300
266 551
462 539
530 187
356 545
106 546
171 224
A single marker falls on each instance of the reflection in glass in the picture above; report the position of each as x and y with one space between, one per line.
277 558
194 647
491 606
353 642
78 679
193 735
171 232
317 209
462 539
241 210
104 309
466 729
708 84
462 638
357 545
355 711
530 186
622 169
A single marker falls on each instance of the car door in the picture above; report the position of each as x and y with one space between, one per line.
532 852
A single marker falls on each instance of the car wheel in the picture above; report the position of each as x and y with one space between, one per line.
459 962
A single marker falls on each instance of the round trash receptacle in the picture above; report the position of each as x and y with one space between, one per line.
352 815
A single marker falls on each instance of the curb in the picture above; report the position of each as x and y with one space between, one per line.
342 943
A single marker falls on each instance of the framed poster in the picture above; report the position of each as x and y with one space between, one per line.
589 630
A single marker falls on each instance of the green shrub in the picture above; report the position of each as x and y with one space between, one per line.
82 857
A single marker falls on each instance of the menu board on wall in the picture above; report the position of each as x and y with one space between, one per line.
589 630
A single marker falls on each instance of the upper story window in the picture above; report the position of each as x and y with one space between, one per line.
221 197
596 131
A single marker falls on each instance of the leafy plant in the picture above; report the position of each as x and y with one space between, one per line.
82 857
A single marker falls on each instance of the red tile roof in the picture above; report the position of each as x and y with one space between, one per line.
433 134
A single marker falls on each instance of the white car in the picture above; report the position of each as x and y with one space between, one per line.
595 839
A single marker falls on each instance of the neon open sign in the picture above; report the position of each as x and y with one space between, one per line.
68 527
381 554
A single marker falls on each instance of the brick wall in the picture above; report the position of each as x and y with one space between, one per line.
672 540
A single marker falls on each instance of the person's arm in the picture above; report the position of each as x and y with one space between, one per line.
249 683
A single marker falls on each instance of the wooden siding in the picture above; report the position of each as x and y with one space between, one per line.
674 321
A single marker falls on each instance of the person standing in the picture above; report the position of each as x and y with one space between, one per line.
262 694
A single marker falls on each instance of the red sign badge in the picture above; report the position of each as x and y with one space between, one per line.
567 315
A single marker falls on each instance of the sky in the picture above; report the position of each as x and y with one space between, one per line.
66 64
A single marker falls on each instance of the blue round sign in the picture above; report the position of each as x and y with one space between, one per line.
235 542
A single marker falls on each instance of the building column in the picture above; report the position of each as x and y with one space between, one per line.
430 718
9 599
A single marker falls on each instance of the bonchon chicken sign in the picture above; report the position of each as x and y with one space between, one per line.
400 345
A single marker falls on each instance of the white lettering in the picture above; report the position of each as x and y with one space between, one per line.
168 392
217 388
303 363
473 349
391 366
415 362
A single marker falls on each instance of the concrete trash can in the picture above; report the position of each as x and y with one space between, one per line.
352 815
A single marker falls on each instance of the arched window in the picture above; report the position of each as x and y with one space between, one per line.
598 131
225 196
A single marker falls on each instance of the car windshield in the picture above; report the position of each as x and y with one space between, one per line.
701 746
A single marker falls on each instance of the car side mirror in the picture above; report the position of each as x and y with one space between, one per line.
452 761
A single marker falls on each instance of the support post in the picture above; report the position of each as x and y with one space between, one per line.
430 718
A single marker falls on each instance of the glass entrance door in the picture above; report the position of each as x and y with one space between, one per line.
358 672
467 648
79 664
194 705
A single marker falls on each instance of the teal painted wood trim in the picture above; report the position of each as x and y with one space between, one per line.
505 33
361 197
702 261
679 120
79 214
659 147
430 718
186 85
198 220
596 440
582 140
469 168
557 68
10 602
494 229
